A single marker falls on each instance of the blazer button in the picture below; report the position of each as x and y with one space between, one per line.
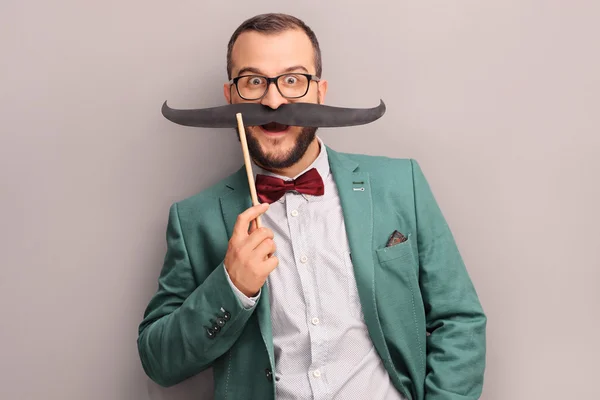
269 375
220 322
226 316
210 333
215 326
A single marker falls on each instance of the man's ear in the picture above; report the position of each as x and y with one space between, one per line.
321 91
227 92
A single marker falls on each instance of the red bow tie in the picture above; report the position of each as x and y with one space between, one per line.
270 189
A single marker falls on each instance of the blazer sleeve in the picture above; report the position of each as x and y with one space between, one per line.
187 325
456 345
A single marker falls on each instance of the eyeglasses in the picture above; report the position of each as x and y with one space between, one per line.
290 86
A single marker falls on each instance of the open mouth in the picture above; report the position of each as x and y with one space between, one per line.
274 127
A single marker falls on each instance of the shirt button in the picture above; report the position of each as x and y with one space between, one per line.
303 259
295 213
316 373
315 321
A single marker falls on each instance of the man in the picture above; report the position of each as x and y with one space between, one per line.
354 290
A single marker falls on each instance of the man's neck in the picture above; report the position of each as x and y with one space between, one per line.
307 159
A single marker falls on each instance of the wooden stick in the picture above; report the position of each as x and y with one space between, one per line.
248 165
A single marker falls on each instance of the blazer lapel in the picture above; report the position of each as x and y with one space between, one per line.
355 196
235 201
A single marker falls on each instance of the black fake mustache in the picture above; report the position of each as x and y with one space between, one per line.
292 114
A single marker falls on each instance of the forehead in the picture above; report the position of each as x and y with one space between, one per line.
272 53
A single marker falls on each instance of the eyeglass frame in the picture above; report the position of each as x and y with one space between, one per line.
274 80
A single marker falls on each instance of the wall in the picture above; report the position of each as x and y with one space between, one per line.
498 101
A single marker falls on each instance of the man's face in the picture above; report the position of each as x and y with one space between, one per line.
272 55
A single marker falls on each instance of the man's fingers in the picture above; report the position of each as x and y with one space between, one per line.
265 248
243 220
253 226
271 262
258 236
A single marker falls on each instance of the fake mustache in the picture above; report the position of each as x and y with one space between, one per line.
292 114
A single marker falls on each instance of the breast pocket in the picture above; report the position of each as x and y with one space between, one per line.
398 269
401 253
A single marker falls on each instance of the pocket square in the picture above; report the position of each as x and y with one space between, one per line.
395 238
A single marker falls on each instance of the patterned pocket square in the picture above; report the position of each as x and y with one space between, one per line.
396 238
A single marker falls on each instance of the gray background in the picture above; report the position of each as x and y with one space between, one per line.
498 100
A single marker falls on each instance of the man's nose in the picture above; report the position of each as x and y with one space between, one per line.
273 98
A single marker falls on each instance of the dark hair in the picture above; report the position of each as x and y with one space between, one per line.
274 23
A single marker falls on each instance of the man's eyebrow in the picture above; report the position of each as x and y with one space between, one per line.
259 72
294 68
249 69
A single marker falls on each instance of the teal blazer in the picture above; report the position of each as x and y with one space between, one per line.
421 309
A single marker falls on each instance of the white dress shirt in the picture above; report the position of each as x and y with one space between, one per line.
321 343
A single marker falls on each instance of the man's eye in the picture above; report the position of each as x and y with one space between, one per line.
290 80
255 81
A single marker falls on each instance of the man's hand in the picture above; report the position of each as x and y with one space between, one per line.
249 259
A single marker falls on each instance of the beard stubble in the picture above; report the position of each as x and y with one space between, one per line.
301 144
